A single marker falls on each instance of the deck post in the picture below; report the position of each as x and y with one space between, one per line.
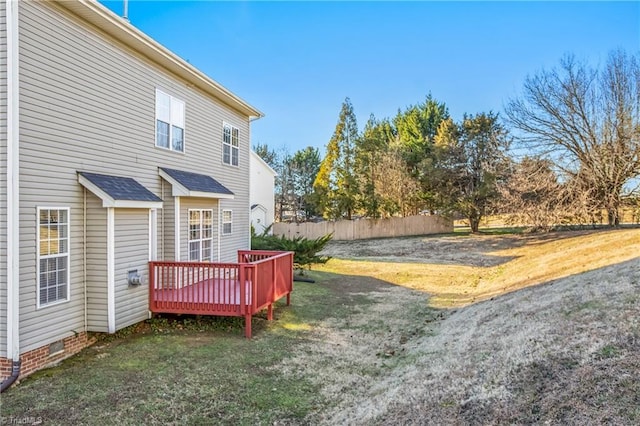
288 299
152 287
247 326
270 312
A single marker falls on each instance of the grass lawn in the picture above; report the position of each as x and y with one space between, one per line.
177 370
458 329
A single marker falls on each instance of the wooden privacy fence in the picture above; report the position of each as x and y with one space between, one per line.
367 228
256 282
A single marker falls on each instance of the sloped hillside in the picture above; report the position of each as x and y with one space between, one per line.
566 351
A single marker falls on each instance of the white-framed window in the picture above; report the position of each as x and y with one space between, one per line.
200 235
230 148
227 220
169 122
53 255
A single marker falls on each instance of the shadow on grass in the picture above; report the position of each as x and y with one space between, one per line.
193 369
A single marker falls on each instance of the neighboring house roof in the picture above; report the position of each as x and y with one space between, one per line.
93 12
191 184
118 191
264 163
260 206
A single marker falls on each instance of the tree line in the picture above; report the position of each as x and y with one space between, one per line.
567 150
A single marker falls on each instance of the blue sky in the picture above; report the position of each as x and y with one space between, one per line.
297 61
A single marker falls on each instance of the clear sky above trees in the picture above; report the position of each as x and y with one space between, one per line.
297 61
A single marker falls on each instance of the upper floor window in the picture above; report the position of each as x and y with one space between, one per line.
53 255
169 122
230 145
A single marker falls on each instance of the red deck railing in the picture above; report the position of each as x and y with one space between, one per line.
258 280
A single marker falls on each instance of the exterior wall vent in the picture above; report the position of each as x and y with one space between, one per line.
56 347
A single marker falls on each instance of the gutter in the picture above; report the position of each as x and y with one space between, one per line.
13 193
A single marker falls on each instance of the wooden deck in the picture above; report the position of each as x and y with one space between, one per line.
215 289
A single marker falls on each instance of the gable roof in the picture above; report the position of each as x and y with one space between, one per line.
118 191
100 16
189 184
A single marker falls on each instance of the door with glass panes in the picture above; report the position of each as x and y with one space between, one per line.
200 235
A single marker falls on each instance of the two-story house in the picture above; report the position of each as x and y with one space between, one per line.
113 152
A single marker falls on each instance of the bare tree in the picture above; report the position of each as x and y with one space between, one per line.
536 195
398 191
531 194
588 122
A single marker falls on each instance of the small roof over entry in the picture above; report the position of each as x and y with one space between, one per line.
118 191
188 184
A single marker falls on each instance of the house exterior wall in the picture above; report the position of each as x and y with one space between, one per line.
82 92
262 189
166 228
96 268
3 180
131 253
240 237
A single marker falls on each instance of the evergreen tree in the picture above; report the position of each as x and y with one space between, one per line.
371 147
336 184
416 128
305 165
471 161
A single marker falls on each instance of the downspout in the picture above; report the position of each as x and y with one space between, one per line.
219 228
162 222
111 265
84 258
176 228
13 194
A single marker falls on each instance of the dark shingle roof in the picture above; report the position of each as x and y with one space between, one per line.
120 188
197 182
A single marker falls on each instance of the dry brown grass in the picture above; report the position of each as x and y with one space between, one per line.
565 352
458 270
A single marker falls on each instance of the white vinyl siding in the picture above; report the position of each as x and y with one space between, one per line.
169 122
166 221
227 222
131 253
200 235
230 144
53 255
96 269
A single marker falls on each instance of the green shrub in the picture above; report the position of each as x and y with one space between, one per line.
306 250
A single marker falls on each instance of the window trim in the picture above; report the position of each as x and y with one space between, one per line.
39 256
172 100
230 145
223 222
199 240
